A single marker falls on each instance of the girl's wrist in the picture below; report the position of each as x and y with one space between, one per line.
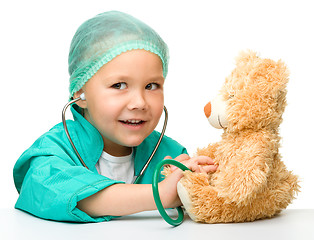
168 191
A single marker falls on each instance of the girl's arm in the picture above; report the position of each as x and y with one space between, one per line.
125 199
119 200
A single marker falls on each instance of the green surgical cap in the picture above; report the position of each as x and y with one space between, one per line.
100 39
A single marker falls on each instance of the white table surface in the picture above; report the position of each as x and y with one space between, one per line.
294 224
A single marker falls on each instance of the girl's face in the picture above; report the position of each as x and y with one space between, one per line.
125 99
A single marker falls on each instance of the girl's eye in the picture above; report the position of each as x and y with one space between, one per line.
120 85
152 86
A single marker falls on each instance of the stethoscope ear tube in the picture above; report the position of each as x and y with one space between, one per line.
179 220
137 179
66 128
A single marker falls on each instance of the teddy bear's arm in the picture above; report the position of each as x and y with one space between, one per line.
208 151
245 173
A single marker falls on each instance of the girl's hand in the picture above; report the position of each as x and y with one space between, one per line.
168 187
201 164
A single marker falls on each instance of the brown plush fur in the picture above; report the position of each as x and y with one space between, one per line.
251 181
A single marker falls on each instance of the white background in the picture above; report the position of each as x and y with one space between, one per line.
204 37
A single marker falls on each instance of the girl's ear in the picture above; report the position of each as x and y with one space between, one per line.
81 103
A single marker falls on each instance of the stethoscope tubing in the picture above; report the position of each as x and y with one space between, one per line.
161 209
137 179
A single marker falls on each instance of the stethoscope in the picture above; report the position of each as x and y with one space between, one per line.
174 222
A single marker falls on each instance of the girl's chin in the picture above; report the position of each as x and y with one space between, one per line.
133 143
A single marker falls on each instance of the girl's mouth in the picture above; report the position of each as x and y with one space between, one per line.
132 122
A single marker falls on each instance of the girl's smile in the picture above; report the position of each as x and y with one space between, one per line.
132 123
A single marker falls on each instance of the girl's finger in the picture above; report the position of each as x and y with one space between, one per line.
203 160
210 168
194 167
182 157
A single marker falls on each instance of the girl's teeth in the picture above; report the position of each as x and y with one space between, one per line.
133 121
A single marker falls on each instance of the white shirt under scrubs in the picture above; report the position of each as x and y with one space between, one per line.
116 168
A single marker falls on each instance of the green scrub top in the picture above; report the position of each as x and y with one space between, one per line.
50 179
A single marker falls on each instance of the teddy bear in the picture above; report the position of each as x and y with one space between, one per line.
251 181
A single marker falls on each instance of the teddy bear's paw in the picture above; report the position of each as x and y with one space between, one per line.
185 199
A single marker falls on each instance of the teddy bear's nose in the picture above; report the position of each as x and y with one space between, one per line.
208 109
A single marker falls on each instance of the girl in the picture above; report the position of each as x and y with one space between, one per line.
120 64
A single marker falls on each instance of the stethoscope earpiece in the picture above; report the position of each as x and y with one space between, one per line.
82 96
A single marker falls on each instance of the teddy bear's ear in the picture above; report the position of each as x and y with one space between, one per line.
246 57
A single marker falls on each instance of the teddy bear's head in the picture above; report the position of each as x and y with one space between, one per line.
252 97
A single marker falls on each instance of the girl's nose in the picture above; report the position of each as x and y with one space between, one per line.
138 102
208 109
